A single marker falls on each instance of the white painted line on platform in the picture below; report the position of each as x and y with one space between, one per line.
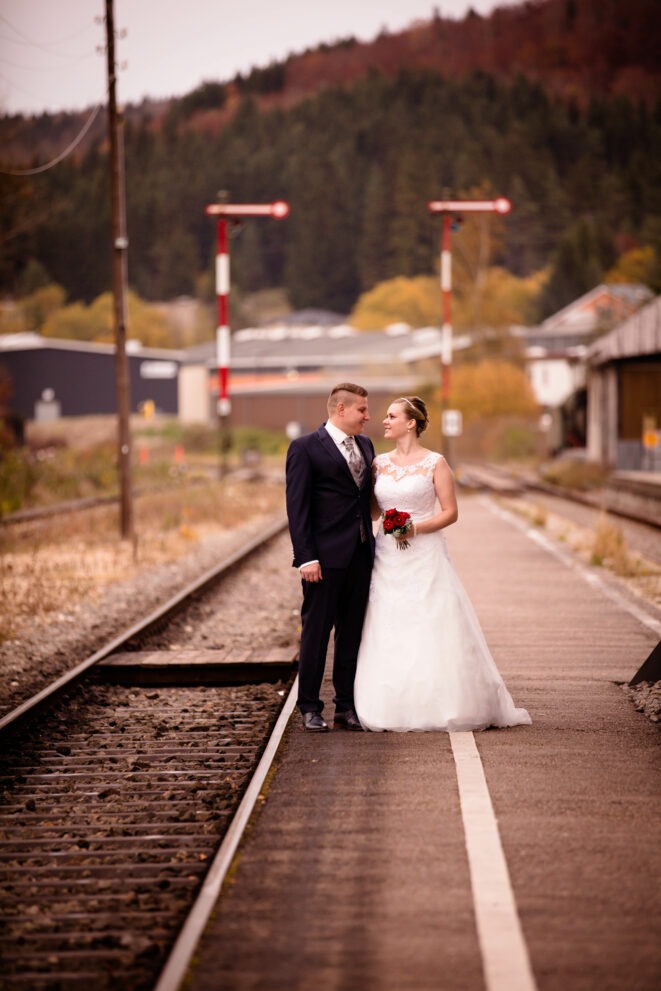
175 969
585 573
505 958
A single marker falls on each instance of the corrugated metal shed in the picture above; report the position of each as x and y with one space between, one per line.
639 335
80 376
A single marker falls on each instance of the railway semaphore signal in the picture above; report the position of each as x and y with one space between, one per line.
278 210
451 211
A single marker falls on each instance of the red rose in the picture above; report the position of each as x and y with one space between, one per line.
399 524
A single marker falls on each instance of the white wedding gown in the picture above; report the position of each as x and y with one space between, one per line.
423 662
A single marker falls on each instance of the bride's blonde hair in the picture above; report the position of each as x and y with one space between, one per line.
417 411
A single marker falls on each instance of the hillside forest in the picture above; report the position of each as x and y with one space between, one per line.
358 156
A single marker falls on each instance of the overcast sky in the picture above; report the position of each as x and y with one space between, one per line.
51 54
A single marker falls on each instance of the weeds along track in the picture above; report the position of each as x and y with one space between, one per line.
147 604
642 535
117 791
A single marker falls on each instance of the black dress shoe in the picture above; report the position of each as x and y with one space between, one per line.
313 723
348 719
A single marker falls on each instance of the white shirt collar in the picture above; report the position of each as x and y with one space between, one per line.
338 435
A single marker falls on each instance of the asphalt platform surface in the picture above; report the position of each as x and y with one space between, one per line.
353 875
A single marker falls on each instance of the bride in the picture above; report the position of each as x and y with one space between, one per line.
423 662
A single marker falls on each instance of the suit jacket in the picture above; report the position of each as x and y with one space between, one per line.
324 504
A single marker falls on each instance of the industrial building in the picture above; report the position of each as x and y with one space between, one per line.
52 378
624 393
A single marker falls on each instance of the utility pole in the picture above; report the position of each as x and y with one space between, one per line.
451 211
119 284
230 211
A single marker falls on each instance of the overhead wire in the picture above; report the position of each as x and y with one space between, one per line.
50 48
60 158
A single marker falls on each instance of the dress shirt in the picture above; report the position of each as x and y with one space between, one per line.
339 437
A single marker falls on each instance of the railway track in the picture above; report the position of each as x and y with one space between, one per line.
44 514
125 789
118 785
642 530
498 479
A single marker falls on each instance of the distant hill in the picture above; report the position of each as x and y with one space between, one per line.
553 103
576 50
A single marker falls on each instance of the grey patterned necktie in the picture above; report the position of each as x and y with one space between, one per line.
356 463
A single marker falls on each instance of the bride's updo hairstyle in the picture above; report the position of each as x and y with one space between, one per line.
415 410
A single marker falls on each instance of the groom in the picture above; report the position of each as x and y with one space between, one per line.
328 505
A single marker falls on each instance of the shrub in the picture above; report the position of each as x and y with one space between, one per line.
17 479
519 441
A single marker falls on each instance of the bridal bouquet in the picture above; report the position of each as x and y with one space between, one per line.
399 524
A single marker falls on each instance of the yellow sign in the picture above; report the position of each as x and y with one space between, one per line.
651 435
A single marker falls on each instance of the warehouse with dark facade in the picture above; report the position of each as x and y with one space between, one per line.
47 378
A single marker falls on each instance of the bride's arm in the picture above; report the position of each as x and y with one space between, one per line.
444 487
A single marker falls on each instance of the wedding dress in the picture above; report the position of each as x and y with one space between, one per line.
423 662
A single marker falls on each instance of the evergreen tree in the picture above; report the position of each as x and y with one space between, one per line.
409 240
372 254
175 264
248 269
578 266
357 164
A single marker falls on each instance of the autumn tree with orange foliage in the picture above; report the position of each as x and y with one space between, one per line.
492 389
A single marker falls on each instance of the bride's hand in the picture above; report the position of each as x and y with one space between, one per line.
411 532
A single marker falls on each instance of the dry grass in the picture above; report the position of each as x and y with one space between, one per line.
575 474
539 515
49 566
609 548
601 546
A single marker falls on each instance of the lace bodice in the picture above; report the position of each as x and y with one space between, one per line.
409 488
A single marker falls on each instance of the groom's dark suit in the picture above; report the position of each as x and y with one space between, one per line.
329 522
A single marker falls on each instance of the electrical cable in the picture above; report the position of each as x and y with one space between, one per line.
62 156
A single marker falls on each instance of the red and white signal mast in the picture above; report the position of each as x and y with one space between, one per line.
451 210
224 212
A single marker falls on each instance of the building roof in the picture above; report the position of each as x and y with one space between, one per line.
639 335
604 302
30 341
568 332
310 345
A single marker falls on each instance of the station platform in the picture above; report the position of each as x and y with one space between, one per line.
371 862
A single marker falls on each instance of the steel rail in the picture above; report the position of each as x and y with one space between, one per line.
143 625
176 966
481 471
70 506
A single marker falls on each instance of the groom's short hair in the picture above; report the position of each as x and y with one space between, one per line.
337 394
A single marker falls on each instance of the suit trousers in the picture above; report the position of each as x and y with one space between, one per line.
338 601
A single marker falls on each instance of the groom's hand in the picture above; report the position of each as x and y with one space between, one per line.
311 572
